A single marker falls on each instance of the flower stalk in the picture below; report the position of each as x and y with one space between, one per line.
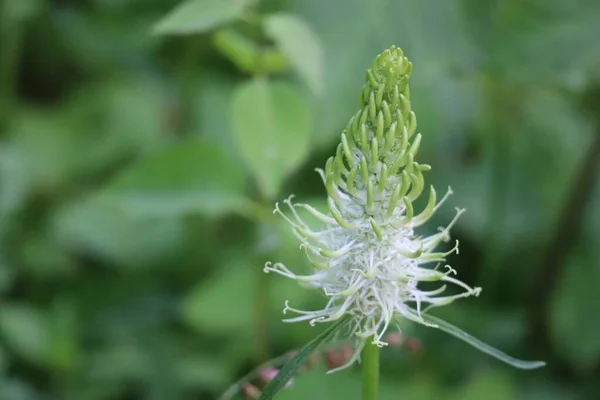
370 361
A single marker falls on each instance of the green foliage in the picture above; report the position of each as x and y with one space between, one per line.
196 16
247 55
24 331
139 161
190 176
271 122
110 231
301 45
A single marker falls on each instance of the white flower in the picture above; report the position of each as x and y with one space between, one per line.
368 259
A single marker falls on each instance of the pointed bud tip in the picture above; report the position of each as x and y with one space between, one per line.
391 68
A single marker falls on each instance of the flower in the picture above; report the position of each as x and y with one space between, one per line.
368 259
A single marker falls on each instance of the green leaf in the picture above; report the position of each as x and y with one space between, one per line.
14 180
487 384
23 329
17 389
19 11
248 54
289 368
102 228
63 343
222 304
192 176
478 344
195 16
271 122
300 45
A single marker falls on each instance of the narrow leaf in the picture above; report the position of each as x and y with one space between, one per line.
287 371
300 45
195 16
478 344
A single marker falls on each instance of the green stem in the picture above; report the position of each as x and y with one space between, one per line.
370 362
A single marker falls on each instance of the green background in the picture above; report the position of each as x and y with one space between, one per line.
143 144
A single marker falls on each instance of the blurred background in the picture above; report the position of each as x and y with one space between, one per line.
144 142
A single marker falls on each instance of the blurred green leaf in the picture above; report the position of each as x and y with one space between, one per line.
349 49
248 54
195 16
44 258
87 134
17 389
210 99
486 384
191 176
63 341
103 228
23 329
119 361
119 117
224 303
14 180
221 304
272 123
300 45
19 10
202 371
48 157
575 333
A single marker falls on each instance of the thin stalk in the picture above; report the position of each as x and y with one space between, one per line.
370 363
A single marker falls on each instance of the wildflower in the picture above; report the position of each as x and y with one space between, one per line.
368 258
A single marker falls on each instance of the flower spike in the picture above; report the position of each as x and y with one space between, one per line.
368 259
